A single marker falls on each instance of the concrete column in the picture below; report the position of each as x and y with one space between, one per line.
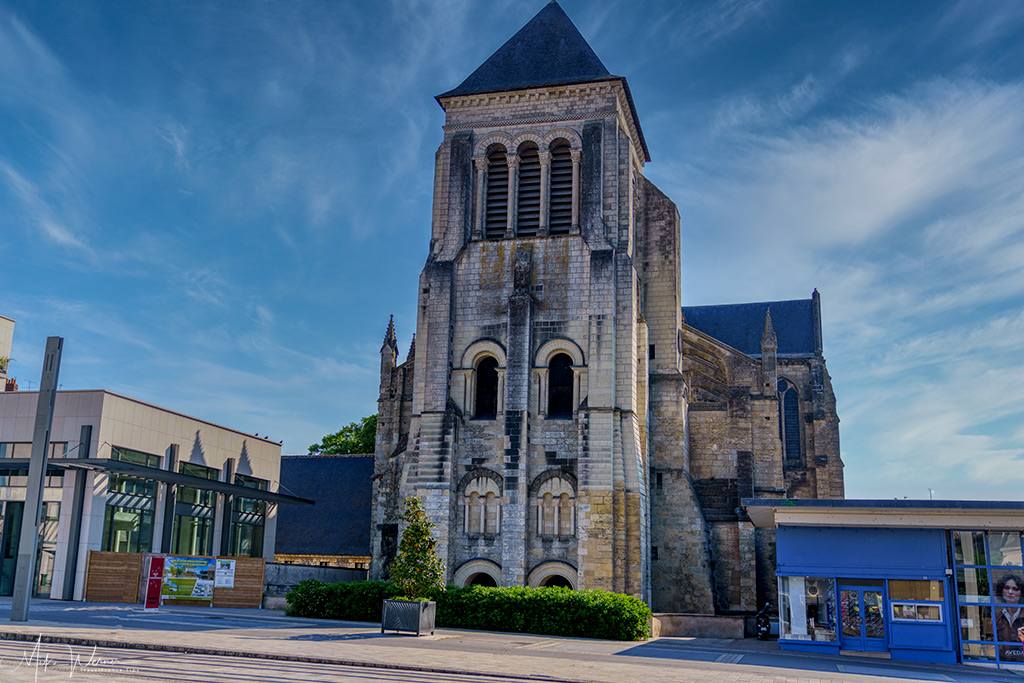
75 526
25 569
170 498
225 520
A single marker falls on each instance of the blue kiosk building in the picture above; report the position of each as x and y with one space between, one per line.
928 581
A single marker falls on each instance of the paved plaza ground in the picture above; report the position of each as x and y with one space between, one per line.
91 641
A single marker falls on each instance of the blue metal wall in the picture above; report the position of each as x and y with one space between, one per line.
863 553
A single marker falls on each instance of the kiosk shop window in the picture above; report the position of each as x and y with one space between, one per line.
989 582
916 600
807 608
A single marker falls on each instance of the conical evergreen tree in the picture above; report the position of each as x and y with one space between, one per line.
417 570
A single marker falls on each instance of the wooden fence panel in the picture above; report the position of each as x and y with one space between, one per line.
112 577
248 590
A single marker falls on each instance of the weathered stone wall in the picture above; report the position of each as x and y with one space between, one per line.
515 299
670 429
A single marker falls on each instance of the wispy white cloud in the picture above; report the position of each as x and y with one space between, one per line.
40 213
699 25
980 24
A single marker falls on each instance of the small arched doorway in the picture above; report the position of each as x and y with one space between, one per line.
482 579
555 581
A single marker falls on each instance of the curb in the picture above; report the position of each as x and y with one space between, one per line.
182 649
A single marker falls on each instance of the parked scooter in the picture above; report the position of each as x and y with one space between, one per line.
762 623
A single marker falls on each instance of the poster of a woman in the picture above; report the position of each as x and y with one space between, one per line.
1010 617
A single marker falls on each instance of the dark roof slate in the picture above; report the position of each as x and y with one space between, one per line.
742 325
549 50
339 523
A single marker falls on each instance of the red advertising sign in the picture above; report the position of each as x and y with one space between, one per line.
154 587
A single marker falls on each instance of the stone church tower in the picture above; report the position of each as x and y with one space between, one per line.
546 412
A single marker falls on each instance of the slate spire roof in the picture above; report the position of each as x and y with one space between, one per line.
548 50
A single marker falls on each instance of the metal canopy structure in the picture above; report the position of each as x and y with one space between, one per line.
143 472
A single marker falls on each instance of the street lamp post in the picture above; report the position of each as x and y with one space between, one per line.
25 571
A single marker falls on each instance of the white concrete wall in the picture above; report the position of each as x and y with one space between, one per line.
6 339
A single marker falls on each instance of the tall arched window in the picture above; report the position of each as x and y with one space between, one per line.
789 421
496 196
486 388
560 378
560 218
528 208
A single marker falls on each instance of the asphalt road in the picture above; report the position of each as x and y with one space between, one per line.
48 663
204 644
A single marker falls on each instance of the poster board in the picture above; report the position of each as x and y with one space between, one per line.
225 574
188 578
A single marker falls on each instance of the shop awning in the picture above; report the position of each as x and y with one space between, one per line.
769 513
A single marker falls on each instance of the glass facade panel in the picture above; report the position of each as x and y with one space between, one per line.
134 457
972 585
192 535
47 552
121 483
979 651
247 537
252 505
54 478
126 530
194 496
976 623
247 540
969 547
1004 549
807 608
995 586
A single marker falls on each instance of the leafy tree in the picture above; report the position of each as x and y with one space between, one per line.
417 570
357 437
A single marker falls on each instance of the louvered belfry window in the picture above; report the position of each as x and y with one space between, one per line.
560 219
528 208
496 218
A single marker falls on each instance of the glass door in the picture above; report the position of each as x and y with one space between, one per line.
862 616
13 510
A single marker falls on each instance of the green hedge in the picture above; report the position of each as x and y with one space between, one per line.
545 611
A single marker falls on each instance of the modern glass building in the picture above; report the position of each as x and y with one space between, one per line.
127 476
930 581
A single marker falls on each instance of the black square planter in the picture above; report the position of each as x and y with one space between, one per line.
410 616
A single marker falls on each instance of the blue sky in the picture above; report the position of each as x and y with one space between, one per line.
219 204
